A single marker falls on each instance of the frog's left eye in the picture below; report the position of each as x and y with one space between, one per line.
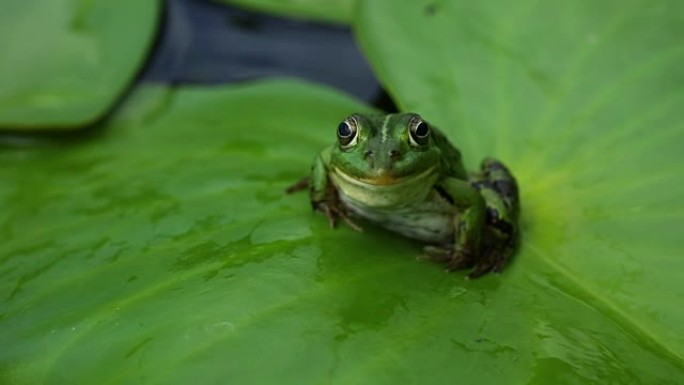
419 133
347 133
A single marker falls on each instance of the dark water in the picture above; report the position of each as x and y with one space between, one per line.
203 42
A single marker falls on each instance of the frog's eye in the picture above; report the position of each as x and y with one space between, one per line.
347 133
419 133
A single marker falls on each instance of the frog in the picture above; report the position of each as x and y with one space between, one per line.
400 172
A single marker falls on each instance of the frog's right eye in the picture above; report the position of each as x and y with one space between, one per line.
347 133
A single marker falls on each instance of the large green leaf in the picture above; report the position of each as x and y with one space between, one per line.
63 63
336 11
164 251
584 101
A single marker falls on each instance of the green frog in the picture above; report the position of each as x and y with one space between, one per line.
400 172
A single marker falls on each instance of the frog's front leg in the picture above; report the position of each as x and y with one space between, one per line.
469 222
324 196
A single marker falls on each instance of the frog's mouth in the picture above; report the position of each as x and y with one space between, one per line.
385 178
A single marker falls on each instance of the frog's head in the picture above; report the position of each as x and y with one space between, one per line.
384 149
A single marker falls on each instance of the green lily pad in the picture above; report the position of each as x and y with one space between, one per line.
583 101
64 63
165 251
335 11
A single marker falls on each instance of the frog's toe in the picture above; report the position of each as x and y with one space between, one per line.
436 254
481 269
493 261
328 211
300 185
454 259
458 262
460 259
332 219
351 223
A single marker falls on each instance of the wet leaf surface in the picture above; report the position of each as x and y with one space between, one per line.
164 251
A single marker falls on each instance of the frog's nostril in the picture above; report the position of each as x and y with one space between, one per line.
394 154
368 154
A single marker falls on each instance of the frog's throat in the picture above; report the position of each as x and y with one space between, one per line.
401 191
384 180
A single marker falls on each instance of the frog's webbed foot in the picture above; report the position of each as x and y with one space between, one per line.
492 260
300 185
453 258
436 254
494 257
334 211
486 265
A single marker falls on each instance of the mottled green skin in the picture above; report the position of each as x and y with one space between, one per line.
419 190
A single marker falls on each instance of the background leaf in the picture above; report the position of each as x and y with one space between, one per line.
64 63
336 11
166 252
583 100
